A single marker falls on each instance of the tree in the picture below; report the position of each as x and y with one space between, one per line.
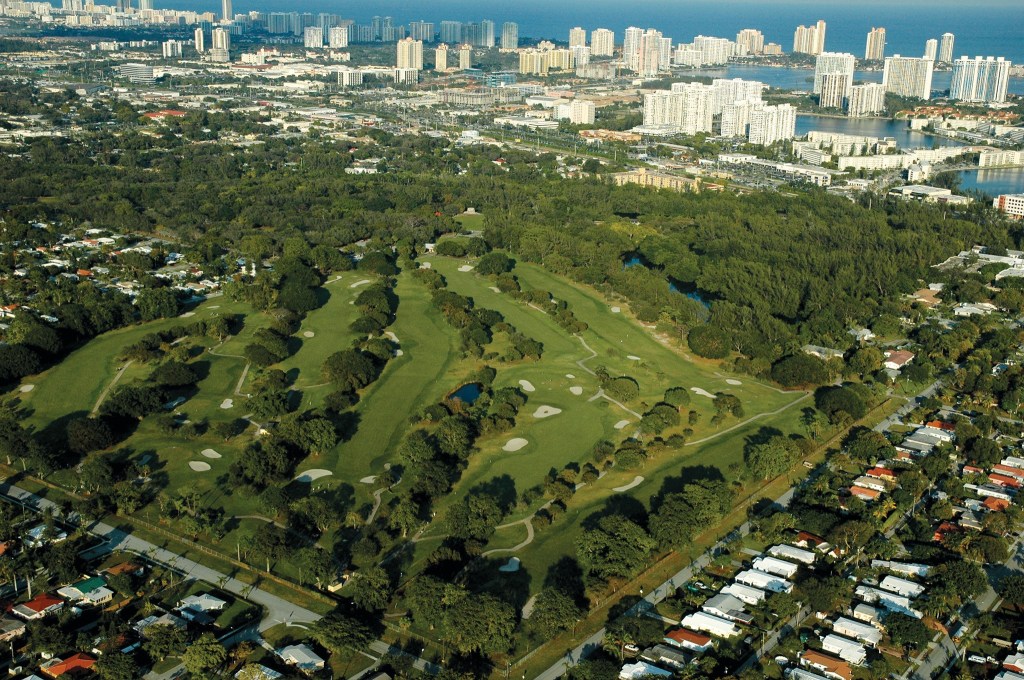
554 611
115 666
835 400
339 631
614 546
157 303
315 564
96 474
677 396
371 589
906 631
164 641
710 342
204 654
1011 589
769 459
494 264
866 360
350 369
957 582
89 434
474 518
479 623
868 446
131 401
800 369
682 515
174 374
825 594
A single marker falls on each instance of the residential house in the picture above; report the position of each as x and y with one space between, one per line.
688 639
164 620
665 656
845 649
868 614
901 586
856 630
772 565
91 591
829 666
727 607
897 359
891 601
759 579
753 596
11 629
257 671
302 657
73 666
866 495
642 669
39 607
1005 481
1009 471
39 535
790 552
198 607
702 621
884 474
866 482
905 568
801 674
1014 662
861 335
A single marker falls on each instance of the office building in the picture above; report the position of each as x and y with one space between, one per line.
451 32
138 73
577 112
946 48
875 48
337 37
465 57
835 90
509 36
313 37
981 79
577 37
931 49
810 39
866 100
422 30
602 43
833 62
410 54
771 124
199 40
225 11
348 77
406 76
908 76
752 39
441 58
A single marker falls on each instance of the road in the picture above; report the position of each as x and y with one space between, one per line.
897 417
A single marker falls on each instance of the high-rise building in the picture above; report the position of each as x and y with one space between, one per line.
441 58
337 37
866 99
577 111
225 10
931 49
833 62
410 54
451 32
981 79
810 39
690 108
946 48
123 6
138 73
631 48
577 37
313 37
171 49
465 57
770 124
509 36
875 49
422 30
752 39
646 52
580 55
908 76
486 33
1011 204
145 4
221 39
835 90
602 42
199 40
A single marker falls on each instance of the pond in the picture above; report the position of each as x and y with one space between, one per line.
635 260
468 393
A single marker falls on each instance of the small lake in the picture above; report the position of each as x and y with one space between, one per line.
468 393
635 260
871 127
994 182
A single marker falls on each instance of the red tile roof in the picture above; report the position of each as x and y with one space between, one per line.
830 663
941 425
995 504
74 662
683 635
1004 480
867 494
43 602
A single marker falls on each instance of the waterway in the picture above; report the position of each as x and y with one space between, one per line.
994 182
872 127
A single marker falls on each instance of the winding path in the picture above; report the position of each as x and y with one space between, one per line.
106 391
245 371
600 392
747 421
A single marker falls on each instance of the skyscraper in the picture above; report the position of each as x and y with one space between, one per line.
313 37
225 10
752 39
451 31
199 40
830 63
835 90
770 124
421 30
509 36
631 47
465 57
410 53
931 49
337 37
441 58
487 33
946 48
810 39
875 49
866 99
146 4
602 43
908 76
981 79
124 5
577 37
221 39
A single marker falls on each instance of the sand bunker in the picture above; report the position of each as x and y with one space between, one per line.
368 480
576 389
702 392
199 466
621 424
528 607
514 444
495 289
227 403
512 566
633 357
546 411
391 336
311 475
527 386
399 352
26 388
210 453
308 334
363 282
466 268
425 265
636 482
616 310
570 376
730 381
213 307
187 315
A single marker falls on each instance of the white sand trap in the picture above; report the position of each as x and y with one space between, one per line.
633 357
546 411
514 444
187 315
730 381
616 310
527 386
399 352
210 453
466 268
621 424
576 389
425 265
391 336
368 480
227 403
495 289
512 566
26 388
311 475
308 334
363 282
528 607
214 307
635 483
570 376
199 466
702 392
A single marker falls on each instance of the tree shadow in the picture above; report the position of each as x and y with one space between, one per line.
620 504
687 475
502 489
566 576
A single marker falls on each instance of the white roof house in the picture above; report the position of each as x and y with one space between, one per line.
801 674
771 565
1014 461
861 632
302 657
745 593
728 607
891 601
203 602
702 621
790 552
866 482
847 650
901 586
642 669
905 568
759 579
867 613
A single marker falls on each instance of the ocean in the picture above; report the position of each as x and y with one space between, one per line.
982 27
